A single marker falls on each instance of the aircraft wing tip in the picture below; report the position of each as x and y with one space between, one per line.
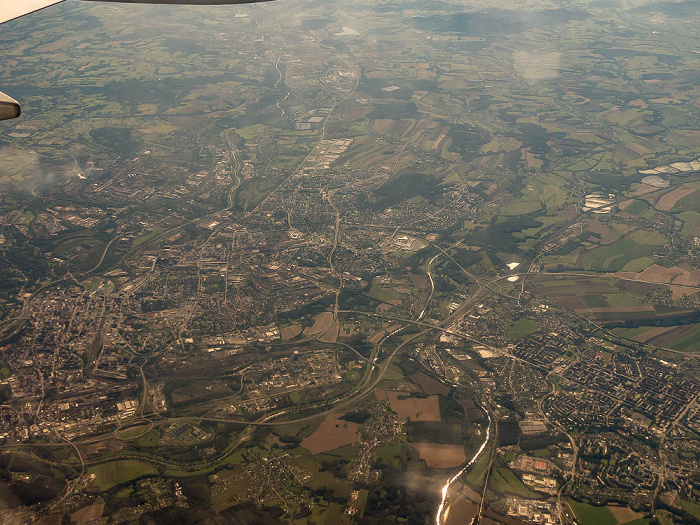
9 107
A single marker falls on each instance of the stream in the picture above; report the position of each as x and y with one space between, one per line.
446 486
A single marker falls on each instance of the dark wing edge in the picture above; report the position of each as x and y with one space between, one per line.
9 107
10 10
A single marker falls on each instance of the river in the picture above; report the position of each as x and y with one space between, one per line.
446 487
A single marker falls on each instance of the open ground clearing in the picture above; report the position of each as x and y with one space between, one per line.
321 323
415 409
331 434
439 455
107 475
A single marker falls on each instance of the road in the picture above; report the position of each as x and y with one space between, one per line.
494 420
662 460
574 448
322 135
329 258
279 79
366 387
71 484
236 167
470 463
432 287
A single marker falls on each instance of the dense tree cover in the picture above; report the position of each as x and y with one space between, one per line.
467 140
400 188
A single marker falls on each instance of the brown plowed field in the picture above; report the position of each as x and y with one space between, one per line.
624 514
331 335
669 200
321 323
650 334
686 276
440 456
331 434
413 408
430 385
290 332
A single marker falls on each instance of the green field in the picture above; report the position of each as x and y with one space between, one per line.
590 515
620 300
684 338
114 473
249 132
386 295
477 473
5 371
504 481
615 256
521 208
132 432
637 207
594 301
691 508
690 219
149 439
637 265
521 328
690 342
631 333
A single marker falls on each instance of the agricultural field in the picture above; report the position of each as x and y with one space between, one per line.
107 475
477 474
692 508
332 433
626 515
522 328
440 455
412 408
591 515
505 481
622 298
684 338
613 257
